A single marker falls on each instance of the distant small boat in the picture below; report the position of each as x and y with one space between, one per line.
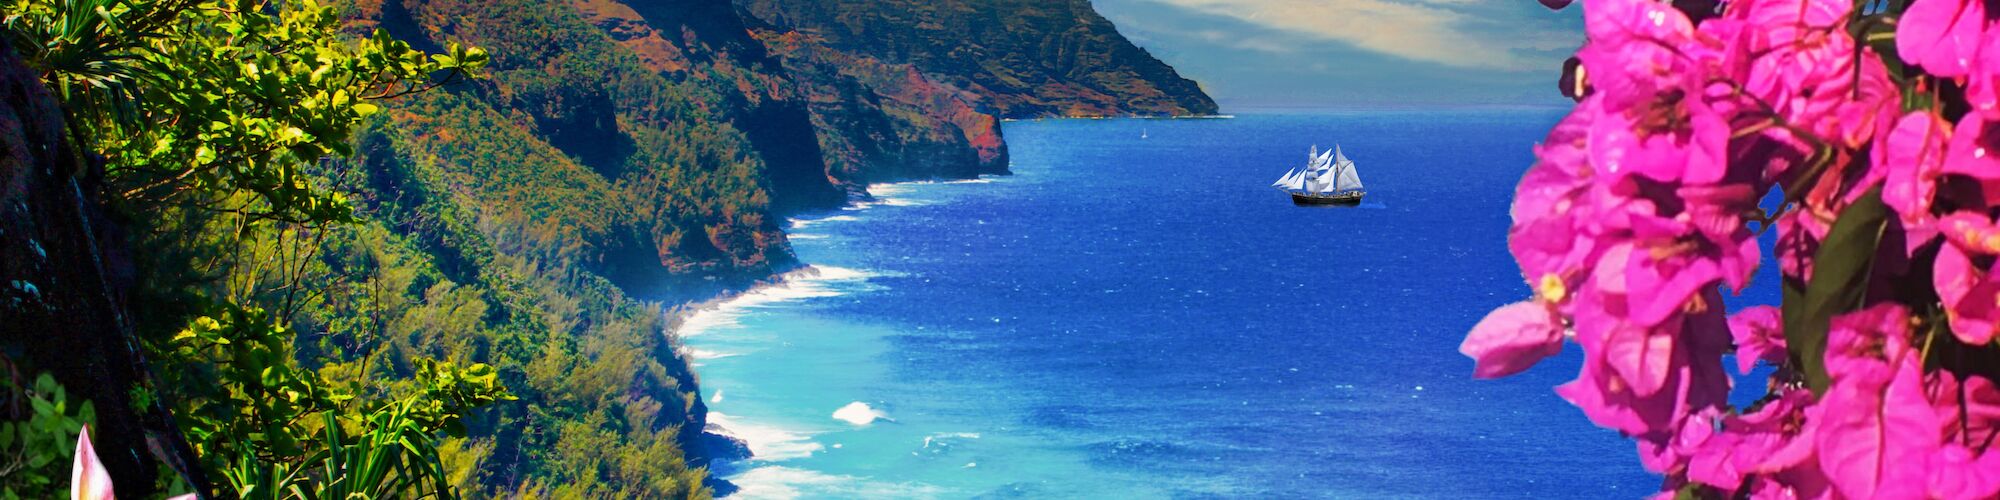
1143 134
1328 179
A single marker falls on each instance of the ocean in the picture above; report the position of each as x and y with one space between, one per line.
1135 313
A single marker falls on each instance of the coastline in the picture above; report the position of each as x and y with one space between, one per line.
727 444
740 448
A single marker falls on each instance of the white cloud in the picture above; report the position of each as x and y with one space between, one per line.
1446 32
1239 41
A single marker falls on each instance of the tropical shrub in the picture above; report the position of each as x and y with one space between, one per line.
209 116
1862 133
39 422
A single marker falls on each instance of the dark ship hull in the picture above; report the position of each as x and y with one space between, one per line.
1348 198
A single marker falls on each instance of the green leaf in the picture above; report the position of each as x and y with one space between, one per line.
1838 284
42 406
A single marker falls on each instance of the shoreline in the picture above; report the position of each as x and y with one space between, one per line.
731 451
732 444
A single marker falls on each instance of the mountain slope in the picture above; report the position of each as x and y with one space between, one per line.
1030 58
622 153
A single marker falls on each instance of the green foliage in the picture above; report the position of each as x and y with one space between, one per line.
576 153
38 437
274 430
601 391
1838 284
208 114
219 96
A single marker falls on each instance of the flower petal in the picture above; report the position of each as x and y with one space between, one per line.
1512 338
87 479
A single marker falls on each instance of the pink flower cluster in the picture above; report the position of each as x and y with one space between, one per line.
1646 204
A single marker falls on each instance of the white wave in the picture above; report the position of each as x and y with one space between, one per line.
698 353
858 413
809 283
883 201
806 236
767 443
805 223
942 436
897 194
776 482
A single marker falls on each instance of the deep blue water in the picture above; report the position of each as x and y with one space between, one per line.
1129 317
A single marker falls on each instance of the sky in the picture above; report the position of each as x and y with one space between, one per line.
1259 54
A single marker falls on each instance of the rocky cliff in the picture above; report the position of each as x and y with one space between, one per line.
65 275
620 154
1028 58
653 146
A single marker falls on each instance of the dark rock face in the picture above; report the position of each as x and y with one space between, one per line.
881 122
1030 58
719 52
64 275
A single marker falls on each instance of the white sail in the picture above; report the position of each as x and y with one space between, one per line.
1327 172
1324 182
1292 180
1347 180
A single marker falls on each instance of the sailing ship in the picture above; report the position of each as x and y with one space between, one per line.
1327 179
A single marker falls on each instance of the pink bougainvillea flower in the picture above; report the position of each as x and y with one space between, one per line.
1969 412
1875 103
1879 432
1645 381
1714 213
1957 473
1609 401
1800 58
1759 335
1646 68
1624 21
1666 273
1878 439
1973 151
1970 296
1774 437
1943 36
1710 452
1868 344
1972 232
1982 88
1673 137
1967 466
87 478
1551 206
1513 338
1910 158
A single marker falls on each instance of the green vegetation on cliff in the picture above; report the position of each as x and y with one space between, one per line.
266 241
1028 58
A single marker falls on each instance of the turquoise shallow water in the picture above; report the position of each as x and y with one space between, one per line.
1144 317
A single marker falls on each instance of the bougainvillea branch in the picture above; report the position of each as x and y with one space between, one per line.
1871 128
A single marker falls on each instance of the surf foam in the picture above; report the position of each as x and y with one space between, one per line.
787 482
859 413
809 283
767 443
